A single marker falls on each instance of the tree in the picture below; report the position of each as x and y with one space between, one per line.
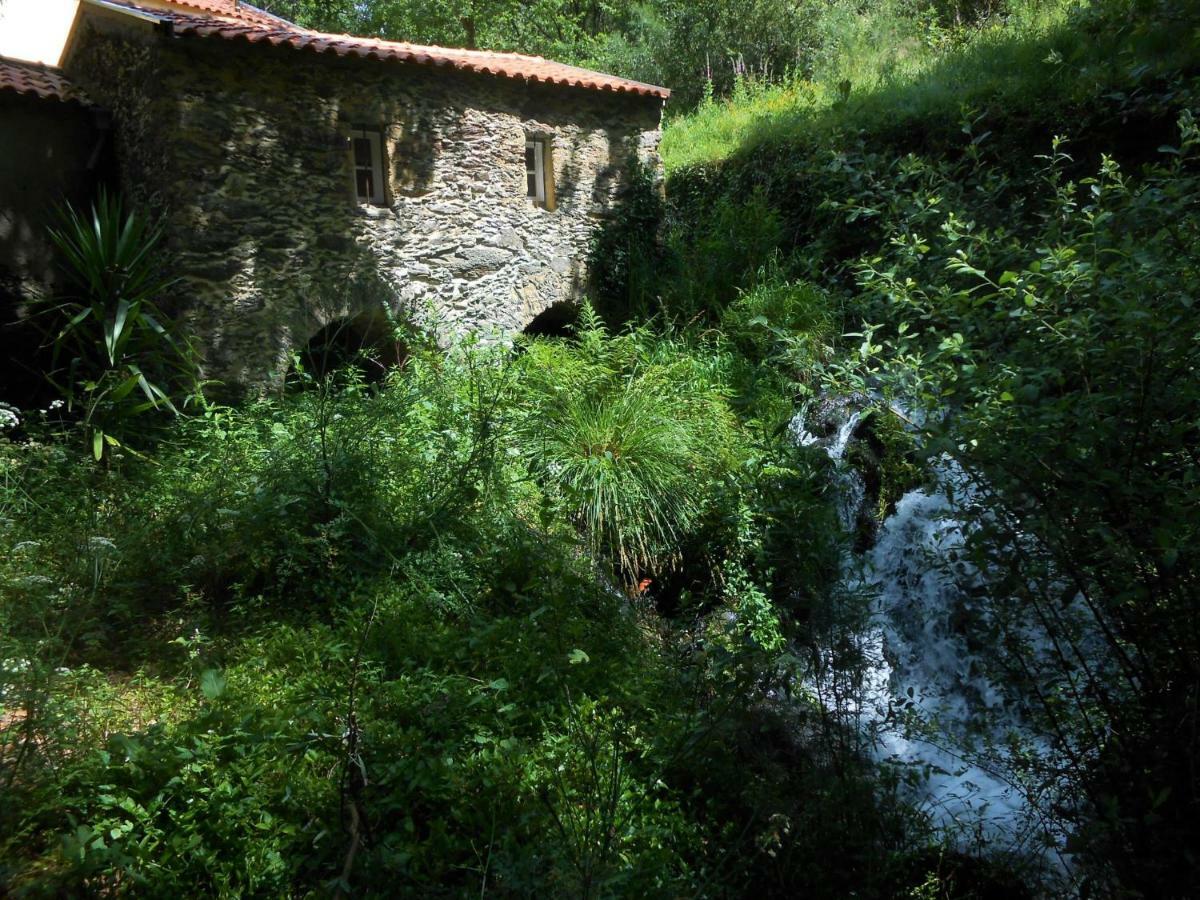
561 27
682 44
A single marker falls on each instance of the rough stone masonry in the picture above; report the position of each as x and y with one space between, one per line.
242 150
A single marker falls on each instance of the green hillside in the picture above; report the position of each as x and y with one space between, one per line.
901 78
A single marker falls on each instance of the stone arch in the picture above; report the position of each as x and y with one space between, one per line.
366 340
556 320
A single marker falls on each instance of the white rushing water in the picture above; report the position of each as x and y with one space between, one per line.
926 703
850 487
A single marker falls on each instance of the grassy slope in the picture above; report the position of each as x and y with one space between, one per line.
887 74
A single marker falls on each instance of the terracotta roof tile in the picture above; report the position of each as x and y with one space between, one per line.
253 26
35 80
234 9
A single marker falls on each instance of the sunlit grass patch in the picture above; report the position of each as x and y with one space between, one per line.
886 70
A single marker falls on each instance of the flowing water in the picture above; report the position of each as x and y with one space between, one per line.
926 703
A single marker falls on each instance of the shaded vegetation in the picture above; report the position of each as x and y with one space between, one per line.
347 640
1008 227
547 622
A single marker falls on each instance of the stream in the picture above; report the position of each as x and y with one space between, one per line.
925 703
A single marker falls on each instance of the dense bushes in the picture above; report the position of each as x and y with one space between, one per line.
632 436
1034 297
377 640
1066 354
701 49
535 622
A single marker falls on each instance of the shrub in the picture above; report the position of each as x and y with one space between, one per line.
627 432
719 254
1060 346
121 358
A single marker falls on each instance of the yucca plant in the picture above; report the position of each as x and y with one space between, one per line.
114 356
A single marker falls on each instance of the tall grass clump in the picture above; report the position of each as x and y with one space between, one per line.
628 433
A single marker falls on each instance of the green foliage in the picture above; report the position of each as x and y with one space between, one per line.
704 48
719 254
1064 350
699 49
623 266
781 333
372 650
891 71
558 28
119 358
365 639
780 322
1039 312
632 433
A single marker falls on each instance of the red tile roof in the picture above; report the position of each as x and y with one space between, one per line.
242 22
234 9
35 80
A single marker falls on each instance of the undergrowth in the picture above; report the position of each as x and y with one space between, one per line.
367 640
999 226
536 621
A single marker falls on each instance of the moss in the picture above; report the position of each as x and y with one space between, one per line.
899 468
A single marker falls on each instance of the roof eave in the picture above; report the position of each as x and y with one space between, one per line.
149 19
167 25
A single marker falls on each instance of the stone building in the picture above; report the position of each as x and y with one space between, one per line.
305 178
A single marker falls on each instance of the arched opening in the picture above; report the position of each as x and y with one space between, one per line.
366 343
557 320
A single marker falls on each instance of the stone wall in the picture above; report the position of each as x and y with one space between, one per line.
243 150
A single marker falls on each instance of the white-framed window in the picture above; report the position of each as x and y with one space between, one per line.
539 175
367 147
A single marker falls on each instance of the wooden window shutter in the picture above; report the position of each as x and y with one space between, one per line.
548 169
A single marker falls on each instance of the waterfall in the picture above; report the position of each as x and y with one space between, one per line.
926 703
850 489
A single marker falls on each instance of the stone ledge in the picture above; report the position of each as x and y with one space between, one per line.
374 212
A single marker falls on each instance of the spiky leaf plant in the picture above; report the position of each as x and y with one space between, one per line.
115 357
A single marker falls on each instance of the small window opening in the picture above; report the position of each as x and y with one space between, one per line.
539 172
368 166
